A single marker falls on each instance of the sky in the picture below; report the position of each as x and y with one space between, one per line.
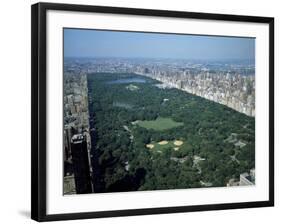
97 43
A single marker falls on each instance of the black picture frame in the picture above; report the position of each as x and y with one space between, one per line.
38 109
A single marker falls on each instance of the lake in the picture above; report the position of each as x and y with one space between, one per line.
127 80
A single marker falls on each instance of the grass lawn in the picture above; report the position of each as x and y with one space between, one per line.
160 124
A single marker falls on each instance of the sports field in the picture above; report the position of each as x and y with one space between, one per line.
160 124
176 144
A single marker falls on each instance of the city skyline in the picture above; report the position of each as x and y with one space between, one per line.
86 43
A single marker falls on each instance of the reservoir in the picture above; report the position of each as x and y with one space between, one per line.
128 80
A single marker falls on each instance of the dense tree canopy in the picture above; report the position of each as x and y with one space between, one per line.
218 142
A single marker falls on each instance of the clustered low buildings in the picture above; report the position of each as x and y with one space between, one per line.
77 140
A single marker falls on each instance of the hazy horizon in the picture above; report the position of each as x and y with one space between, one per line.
85 43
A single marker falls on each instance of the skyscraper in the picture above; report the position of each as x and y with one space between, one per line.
81 165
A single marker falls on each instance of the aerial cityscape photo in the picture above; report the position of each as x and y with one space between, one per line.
157 111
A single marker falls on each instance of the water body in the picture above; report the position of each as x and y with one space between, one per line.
127 80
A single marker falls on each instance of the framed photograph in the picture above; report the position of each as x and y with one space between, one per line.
140 111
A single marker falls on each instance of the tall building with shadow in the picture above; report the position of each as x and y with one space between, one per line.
81 164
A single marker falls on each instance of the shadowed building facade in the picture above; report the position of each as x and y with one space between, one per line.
81 165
